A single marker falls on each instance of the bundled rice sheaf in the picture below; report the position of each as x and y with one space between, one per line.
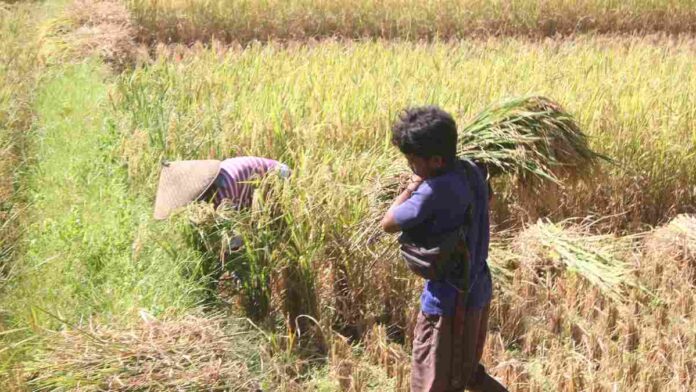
189 353
675 241
548 248
530 138
102 28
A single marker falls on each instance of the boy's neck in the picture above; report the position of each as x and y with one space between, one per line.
441 171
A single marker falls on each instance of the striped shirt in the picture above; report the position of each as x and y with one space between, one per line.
238 176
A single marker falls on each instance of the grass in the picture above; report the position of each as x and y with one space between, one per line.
18 71
84 249
187 21
88 251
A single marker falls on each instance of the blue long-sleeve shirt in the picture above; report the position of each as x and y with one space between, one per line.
438 206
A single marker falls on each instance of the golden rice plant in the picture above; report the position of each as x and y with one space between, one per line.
245 21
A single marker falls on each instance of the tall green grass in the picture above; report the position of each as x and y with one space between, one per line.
249 20
90 250
18 72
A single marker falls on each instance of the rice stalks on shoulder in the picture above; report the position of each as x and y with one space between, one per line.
530 137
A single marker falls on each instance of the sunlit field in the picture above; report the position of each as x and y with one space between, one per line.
250 20
595 279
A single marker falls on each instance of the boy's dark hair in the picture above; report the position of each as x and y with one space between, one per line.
425 132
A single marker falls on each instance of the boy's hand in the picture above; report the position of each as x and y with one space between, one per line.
414 183
389 222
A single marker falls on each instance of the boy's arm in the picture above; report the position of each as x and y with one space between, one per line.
410 208
389 223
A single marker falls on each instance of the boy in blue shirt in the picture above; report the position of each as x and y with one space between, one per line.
445 194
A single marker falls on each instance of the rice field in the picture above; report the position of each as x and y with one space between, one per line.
245 21
634 98
17 76
595 280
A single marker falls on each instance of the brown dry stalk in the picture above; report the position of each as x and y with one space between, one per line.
180 353
253 20
95 28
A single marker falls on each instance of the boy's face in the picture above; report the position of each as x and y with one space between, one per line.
425 167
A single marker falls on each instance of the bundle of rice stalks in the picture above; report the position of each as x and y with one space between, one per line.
388 184
530 137
548 248
675 241
190 353
214 230
102 28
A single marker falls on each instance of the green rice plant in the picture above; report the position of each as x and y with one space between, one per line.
247 262
260 251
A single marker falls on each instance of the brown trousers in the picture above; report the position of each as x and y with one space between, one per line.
447 352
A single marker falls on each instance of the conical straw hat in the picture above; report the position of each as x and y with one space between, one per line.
182 182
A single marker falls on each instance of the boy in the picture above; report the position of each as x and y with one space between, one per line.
445 194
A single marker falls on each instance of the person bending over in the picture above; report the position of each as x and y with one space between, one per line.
231 180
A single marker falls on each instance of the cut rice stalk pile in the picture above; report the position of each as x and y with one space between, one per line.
546 247
93 28
675 241
189 353
531 137
678 238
